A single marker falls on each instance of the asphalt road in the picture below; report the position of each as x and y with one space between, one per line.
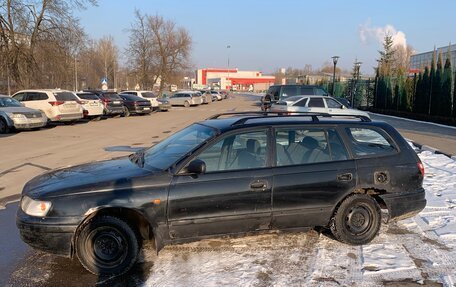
442 138
27 154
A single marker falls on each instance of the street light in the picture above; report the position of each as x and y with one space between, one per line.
335 58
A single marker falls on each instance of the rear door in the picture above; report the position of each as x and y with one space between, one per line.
233 195
312 173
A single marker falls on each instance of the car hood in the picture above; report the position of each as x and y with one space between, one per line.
17 110
93 177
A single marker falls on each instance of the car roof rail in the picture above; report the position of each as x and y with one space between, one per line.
256 114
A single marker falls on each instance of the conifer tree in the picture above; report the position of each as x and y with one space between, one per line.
426 89
436 96
447 80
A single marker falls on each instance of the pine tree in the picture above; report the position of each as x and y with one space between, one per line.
425 90
436 97
447 80
454 95
430 86
387 56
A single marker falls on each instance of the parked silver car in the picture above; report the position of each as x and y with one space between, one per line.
186 99
13 115
315 104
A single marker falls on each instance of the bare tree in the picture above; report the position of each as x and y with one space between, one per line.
29 26
159 49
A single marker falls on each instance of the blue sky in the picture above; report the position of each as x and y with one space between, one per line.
265 35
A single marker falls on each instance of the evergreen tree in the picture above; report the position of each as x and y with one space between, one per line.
430 85
454 95
425 90
447 79
389 93
387 56
436 96
381 92
418 96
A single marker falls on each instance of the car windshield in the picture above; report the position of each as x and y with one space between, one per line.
9 102
164 154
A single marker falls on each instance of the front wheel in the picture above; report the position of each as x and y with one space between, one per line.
107 245
186 104
126 112
357 220
4 129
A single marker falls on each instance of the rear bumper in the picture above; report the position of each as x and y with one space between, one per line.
67 117
404 204
142 110
54 237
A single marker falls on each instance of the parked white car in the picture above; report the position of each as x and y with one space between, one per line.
58 105
14 116
91 103
148 95
315 104
186 99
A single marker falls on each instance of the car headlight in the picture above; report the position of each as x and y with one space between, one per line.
37 208
17 116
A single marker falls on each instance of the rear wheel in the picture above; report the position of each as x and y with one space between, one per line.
107 245
126 112
357 220
186 104
4 129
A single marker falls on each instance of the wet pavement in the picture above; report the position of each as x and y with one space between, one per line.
12 249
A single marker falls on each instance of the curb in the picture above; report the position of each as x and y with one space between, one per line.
432 149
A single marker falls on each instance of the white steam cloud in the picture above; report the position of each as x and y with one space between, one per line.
368 33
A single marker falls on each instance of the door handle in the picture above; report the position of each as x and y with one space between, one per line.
258 184
345 177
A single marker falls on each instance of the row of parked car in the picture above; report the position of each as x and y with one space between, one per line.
34 109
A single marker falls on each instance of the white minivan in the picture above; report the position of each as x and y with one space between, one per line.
58 105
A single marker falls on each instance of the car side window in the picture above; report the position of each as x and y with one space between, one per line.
19 97
316 103
296 146
246 150
301 103
368 142
332 104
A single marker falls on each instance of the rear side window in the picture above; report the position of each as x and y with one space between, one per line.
148 95
296 146
301 103
367 142
65 96
19 97
316 103
36 97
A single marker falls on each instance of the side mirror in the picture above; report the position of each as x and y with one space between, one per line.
196 167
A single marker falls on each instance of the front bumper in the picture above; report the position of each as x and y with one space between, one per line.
53 235
403 205
114 110
29 123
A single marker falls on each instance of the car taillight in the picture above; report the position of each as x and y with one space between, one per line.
56 103
421 168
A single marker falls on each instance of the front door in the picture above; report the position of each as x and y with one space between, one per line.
233 195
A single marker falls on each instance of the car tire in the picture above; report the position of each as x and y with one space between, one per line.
126 112
186 104
4 128
357 220
107 245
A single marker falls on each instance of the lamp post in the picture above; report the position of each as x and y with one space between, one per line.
335 58
228 48
357 66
